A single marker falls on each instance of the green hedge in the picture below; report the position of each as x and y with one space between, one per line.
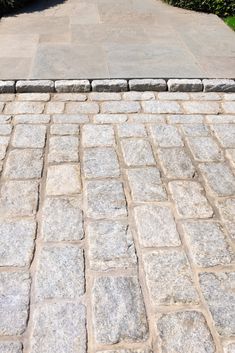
9 5
222 8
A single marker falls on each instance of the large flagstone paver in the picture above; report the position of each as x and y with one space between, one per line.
114 39
117 228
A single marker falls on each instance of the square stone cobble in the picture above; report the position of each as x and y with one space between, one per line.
122 107
14 302
156 226
195 130
24 108
31 119
24 164
176 163
59 327
137 152
225 134
63 149
205 149
201 107
97 135
190 200
207 244
70 118
60 273
10 347
63 179
105 198
219 292
19 198
131 130
146 185
82 108
166 136
16 242
161 107
62 219
100 162
64 129
55 107
110 245
118 310
29 136
219 178
5 129
184 332
169 277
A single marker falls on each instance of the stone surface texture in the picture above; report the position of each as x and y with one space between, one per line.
117 217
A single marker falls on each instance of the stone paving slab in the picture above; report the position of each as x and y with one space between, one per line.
117 222
114 39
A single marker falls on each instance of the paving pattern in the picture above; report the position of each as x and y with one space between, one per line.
117 223
54 39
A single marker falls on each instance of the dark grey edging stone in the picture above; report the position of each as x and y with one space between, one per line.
116 85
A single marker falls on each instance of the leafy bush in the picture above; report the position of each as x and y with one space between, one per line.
8 5
222 8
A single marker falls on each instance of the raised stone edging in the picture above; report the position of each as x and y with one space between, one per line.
117 85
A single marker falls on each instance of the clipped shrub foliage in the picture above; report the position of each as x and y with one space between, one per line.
9 5
222 8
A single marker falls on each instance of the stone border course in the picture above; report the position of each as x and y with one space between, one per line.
117 85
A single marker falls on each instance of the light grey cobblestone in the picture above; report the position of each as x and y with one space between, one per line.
72 86
131 130
35 86
63 179
82 108
173 96
184 85
138 96
54 107
109 85
195 130
63 149
137 152
161 107
110 118
100 162
10 347
31 119
121 107
225 135
5 129
229 347
70 118
205 149
147 85
166 136
97 135
103 96
64 129
176 163
201 107
34 97
185 119
64 97
24 107
29 136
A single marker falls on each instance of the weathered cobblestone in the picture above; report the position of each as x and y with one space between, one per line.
29 136
218 290
82 108
59 327
166 136
64 129
161 107
31 119
100 162
176 163
137 152
10 347
156 226
63 179
63 149
55 107
24 108
205 149
184 331
110 118
65 97
103 96
229 348
227 209
185 119
118 310
110 245
60 273
195 130
201 107
132 130
64 86
97 135
70 118
14 302
138 96
62 219
121 107
34 97
225 135
5 129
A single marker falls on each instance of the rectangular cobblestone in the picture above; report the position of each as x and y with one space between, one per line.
82 108
185 119
100 162
54 107
29 136
70 118
137 152
161 107
63 149
97 135
109 85
220 119
11 347
121 107
5 129
147 85
31 119
63 179
184 85
195 130
7 86
147 118
102 96
33 86
176 163
110 118
64 97
64 129
228 107
34 97
131 130
64 86
201 107
24 107
205 149
225 134
138 96
166 136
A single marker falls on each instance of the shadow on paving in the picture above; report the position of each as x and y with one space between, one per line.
34 6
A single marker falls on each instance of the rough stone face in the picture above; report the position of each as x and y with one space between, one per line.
121 107
184 85
118 310
62 219
24 164
227 209
59 327
220 119
64 129
7 86
166 136
219 292
161 107
189 199
35 86
69 86
101 162
195 130
110 118
218 85
60 273
103 96
138 96
65 97
169 277
24 107
185 332
137 152
29 136
70 118
146 184
54 107
219 178
34 97
14 301
97 135
63 179
176 163
156 226
147 118
205 149
109 85
105 198
201 107
110 245
63 149
17 242
5 129
185 119
5 119
229 348
147 85
32 119
229 107
82 108
173 96
131 130
3 151
10 347
208 245
19 198
225 134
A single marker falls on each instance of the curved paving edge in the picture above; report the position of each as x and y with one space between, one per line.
81 86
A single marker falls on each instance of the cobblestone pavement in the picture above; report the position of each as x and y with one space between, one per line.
117 223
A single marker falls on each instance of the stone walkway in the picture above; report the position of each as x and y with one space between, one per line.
117 223
114 39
